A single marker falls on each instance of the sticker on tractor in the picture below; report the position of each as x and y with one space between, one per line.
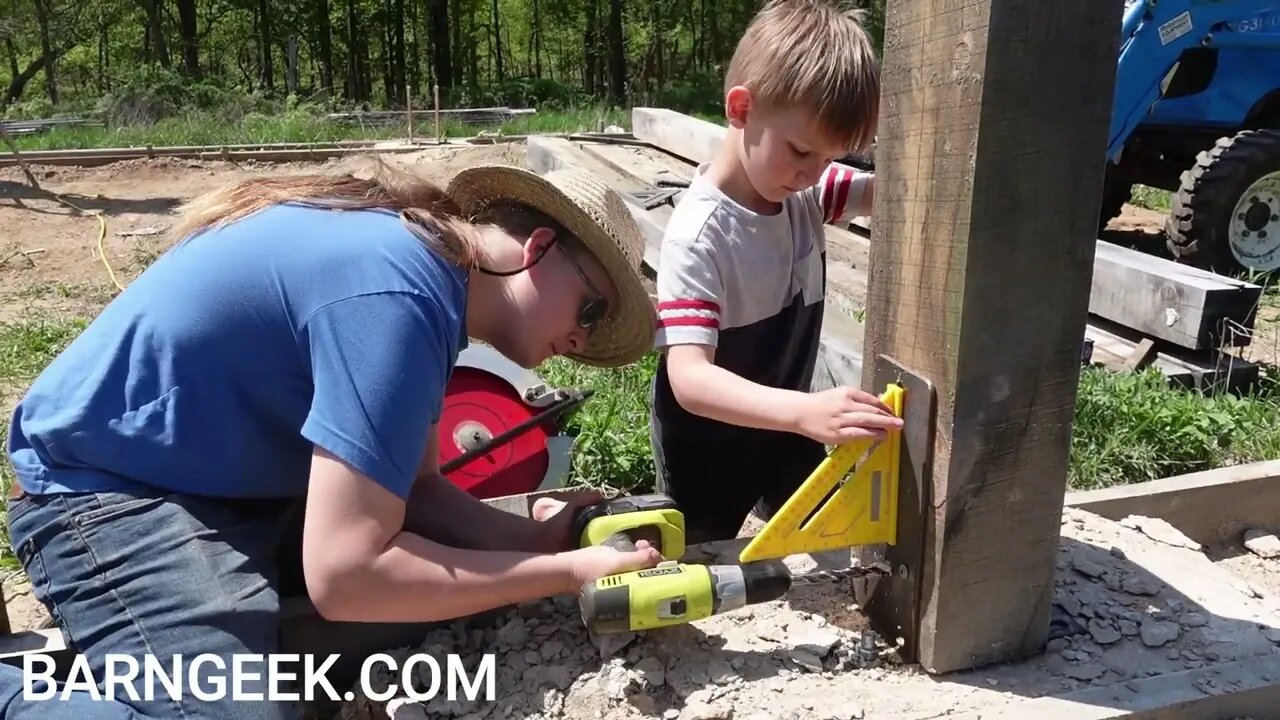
1175 28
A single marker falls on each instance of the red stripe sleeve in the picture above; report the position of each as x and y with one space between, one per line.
689 320
689 305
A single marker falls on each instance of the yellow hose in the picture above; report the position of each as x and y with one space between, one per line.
102 237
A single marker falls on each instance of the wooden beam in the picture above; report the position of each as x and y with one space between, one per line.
1193 308
1115 346
1213 507
987 195
1170 301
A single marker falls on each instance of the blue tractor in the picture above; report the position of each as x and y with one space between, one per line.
1197 113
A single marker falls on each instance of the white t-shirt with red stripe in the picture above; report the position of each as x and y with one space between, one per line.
724 267
752 286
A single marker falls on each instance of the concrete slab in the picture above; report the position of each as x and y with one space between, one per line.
1156 630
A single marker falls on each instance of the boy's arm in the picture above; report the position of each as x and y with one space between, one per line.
844 192
690 300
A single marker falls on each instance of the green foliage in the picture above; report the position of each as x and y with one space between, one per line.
27 345
612 427
1150 198
1135 427
551 54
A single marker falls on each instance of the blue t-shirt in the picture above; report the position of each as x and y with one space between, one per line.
217 368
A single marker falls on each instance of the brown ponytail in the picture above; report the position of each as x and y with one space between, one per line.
428 212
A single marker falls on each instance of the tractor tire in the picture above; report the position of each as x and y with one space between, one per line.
1225 216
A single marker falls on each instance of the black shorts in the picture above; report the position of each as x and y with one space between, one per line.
717 484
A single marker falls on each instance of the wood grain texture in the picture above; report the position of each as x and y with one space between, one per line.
989 174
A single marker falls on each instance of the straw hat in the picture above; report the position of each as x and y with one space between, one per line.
599 218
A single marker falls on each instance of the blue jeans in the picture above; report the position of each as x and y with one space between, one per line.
153 575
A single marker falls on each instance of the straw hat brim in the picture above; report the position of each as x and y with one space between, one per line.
599 218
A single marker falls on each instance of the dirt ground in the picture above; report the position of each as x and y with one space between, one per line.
50 263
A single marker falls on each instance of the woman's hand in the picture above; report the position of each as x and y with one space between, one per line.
555 533
590 563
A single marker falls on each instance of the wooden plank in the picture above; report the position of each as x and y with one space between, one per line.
544 154
979 281
1170 301
1167 300
1213 507
1208 370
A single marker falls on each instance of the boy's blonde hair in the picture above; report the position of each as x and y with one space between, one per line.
812 54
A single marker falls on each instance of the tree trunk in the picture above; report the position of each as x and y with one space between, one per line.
264 46
497 40
617 54
19 82
155 33
354 89
46 48
536 36
326 46
398 61
190 40
591 54
441 55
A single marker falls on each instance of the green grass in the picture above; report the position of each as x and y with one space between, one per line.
612 426
1150 198
207 128
26 346
1134 427
1128 427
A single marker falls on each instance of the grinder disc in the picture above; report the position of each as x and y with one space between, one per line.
479 406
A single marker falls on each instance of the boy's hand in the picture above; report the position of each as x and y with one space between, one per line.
841 414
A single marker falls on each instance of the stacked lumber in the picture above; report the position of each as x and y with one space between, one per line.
34 127
466 116
1144 310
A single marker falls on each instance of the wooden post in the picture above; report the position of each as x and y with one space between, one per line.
435 90
990 160
408 110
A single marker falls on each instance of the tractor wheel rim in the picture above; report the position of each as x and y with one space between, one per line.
1254 227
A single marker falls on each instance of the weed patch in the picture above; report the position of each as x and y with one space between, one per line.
612 427
1134 427
26 347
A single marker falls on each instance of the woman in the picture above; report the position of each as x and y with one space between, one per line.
294 348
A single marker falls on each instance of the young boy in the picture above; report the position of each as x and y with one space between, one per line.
741 280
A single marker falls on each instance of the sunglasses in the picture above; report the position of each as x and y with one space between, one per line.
593 309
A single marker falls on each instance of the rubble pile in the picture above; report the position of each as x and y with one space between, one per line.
546 666
1134 600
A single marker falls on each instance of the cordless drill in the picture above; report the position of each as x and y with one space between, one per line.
674 593
671 593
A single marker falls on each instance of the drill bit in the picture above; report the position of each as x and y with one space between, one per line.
823 576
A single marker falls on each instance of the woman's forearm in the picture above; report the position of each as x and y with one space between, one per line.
418 580
441 511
